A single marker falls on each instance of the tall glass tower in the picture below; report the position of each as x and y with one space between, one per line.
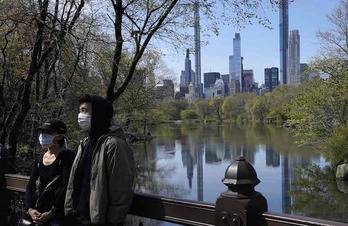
188 75
294 72
198 82
284 39
235 61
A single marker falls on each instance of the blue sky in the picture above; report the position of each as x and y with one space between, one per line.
260 46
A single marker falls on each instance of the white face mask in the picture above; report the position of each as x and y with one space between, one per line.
84 121
46 140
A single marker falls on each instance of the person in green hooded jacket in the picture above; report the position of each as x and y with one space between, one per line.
100 188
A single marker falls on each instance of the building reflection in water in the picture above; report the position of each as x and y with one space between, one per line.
289 164
272 157
286 199
290 177
194 156
189 166
222 145
199 154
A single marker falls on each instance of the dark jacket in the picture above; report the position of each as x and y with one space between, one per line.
55 197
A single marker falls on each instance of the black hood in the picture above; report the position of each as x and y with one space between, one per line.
102 113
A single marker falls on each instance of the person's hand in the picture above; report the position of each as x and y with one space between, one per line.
34 214
45 217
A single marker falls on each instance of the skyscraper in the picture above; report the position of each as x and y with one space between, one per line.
182 79
197 51
188 74
294 70
303 69
235 61
283 38
271 78
247 80
226 78
210 79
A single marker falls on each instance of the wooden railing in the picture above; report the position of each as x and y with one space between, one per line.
188 212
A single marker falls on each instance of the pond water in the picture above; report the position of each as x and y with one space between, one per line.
189 161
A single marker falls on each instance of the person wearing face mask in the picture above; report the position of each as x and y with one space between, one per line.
101 180
45 193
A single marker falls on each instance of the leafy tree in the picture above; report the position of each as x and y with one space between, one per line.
216 105
141 99
188 114
309 111
202 108
172 109
337 143
259 108
333 55
234 106
320 110
280 98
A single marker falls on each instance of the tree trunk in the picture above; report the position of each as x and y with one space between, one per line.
17 114
21 108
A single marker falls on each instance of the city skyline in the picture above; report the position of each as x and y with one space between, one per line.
263 52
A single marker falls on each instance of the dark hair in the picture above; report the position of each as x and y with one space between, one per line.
61 142
85 98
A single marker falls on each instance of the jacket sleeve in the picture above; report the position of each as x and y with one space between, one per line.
67 161
120 175
31 187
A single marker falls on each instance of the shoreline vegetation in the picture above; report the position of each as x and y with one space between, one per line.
316 112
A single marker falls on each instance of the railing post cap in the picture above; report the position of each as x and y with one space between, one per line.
240 174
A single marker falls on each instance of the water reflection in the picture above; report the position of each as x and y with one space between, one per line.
319 195
193 155
272 157
189 161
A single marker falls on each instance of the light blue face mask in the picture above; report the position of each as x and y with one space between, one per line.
46 140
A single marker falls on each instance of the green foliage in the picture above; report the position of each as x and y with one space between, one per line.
319 110
277 114
241 119
172 109
227 108
234 106
279 99
160 116
337 144
188 114
202 108
259 108
216 104
23 150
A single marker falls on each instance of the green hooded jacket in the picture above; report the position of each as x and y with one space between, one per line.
111 164
112 174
